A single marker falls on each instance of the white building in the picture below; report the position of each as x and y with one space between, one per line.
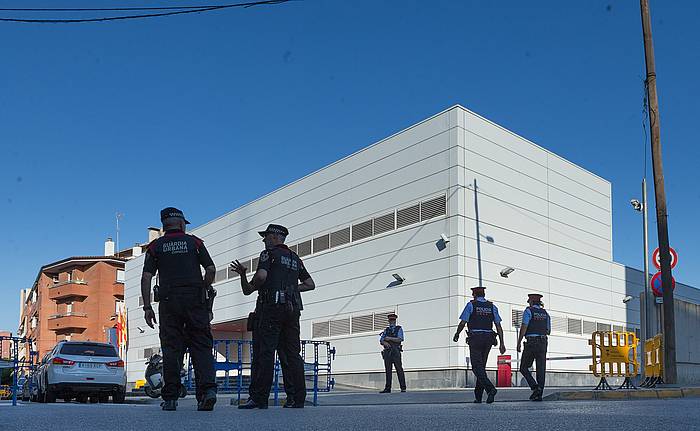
501 200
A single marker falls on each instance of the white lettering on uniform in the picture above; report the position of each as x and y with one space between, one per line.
175 247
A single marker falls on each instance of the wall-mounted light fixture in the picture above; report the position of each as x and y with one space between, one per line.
398 278
506 271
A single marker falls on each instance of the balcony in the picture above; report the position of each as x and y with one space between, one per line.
74 289
68 322
118 290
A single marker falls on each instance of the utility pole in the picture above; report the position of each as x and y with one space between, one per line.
669 323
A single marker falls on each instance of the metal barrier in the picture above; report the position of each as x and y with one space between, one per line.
653 362
614 354
234 358
25 365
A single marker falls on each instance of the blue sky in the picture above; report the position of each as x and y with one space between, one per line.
209 111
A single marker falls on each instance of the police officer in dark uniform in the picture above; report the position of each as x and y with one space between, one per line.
183 308
480 315
391 339
535 327
277 320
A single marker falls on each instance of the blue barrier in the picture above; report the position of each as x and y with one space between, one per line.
235 356
28 365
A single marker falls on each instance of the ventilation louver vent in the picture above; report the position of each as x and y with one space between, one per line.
516 318
384 223
380 320
322 243
362 323
408 216
320 329
588 327
340 237
362 230
574 326
433 208
603 326
340 327
304 248
559 324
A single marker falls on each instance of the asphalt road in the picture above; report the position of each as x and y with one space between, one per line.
676 414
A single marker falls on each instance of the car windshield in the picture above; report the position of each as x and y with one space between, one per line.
88 350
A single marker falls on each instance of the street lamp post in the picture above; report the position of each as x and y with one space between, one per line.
642 208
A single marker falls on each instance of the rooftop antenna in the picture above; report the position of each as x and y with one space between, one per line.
119 216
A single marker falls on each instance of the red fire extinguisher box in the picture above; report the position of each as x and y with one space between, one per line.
504 375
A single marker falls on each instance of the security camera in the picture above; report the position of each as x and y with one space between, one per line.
636 204
506 271
627 299
141 330
444 238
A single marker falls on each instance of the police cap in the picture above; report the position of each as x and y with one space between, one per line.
172 212
391 316
274 228
534 296
478 290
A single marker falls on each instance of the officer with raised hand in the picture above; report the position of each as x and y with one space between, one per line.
480 315
184 307
391 339
535 327
277 323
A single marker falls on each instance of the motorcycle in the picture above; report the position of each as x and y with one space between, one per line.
154 377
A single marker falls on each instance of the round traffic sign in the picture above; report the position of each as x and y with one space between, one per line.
656 258
657 287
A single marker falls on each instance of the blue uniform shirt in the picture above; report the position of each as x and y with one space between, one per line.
527 315
399 335
468 312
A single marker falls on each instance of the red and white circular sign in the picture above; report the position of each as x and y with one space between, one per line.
656 258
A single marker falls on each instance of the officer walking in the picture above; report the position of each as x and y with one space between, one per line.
480 315
277 323
391 339
183 308
535 327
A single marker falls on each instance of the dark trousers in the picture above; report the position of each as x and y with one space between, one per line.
392 357
535 350
277 328
184 324
479 347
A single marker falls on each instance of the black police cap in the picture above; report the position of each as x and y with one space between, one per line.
172 212
274 228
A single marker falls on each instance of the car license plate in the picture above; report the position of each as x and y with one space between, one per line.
88 365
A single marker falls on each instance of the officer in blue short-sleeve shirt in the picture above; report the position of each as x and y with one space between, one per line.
535 327
480 316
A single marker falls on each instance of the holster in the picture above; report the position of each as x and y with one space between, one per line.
252 320
156 293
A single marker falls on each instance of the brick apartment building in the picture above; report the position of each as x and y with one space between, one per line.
74 299
5 345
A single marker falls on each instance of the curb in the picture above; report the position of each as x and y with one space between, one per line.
623 395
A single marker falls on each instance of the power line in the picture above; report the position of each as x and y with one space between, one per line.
174 10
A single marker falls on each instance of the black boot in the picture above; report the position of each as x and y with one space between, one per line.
250 404
386 391
207 401
169 405
492 396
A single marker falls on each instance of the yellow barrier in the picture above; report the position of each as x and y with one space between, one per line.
614 354
653 361
139 384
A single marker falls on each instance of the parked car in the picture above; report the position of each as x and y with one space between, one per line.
81 370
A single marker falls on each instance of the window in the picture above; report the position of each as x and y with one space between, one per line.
588 327
574 326
322 243
320 329
69 307
304 248
120 276
340 237
384 223
362 230
88 349
433 208
408 216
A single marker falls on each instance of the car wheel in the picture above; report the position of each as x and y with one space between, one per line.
67 399
104 398
118 397
94 399
82 399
